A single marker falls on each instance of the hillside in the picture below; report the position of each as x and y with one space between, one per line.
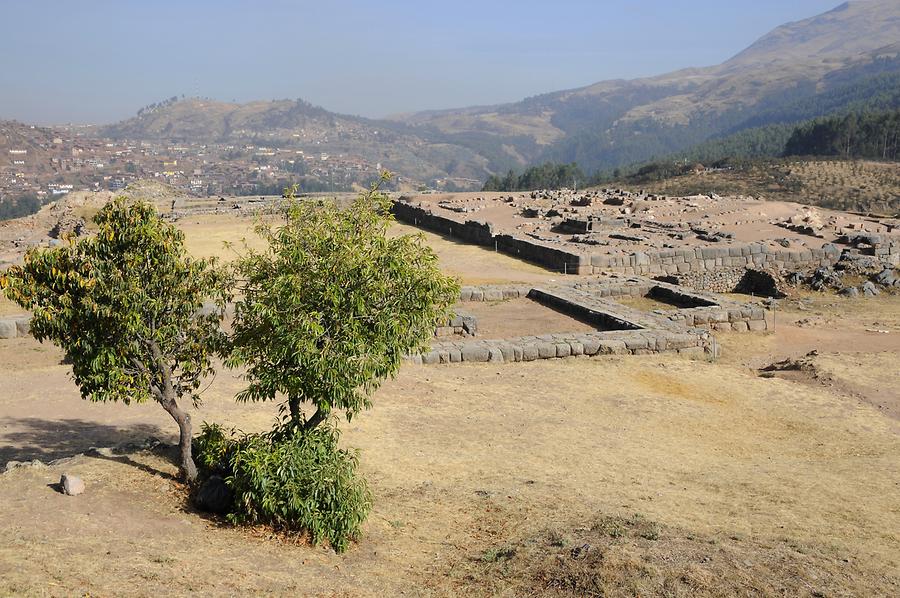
296 123
24 146
798 71
618 122
853 185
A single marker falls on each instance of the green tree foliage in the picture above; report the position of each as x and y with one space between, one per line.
292 479
126 307
545 176
328 310
16 207
863 135
326 313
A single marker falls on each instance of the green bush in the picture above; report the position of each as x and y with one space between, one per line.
293 479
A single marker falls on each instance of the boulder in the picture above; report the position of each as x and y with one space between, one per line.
214 496
886 277
71 485
869 289
849 292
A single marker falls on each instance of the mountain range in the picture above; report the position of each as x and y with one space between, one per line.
798 71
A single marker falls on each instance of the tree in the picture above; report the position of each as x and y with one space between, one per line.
332 305
127 307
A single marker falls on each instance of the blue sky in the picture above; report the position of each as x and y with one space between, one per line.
98 61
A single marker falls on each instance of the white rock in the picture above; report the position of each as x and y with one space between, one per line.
71 485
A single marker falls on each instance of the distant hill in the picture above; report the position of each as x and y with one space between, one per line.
613 123
798 71
879 93
25 143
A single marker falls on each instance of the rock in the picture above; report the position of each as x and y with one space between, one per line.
71 485
475 353
214 496
869 289
794 278
849 292
886 277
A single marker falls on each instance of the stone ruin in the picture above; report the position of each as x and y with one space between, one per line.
686 326
708 242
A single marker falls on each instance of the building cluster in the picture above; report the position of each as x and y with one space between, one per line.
39 162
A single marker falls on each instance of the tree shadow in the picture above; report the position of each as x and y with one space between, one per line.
29 438
170 452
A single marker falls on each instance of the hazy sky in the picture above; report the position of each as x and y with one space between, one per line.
99 61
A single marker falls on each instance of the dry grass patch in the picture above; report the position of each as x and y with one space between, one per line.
632 556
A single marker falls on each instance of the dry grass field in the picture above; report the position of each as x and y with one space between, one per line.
854 185
606 476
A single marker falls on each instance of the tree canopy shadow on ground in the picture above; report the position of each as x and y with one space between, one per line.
26 439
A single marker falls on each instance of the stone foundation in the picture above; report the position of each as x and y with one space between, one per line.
731 257
622 330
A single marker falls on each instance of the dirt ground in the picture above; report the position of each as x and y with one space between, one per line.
521 317
652 475
206 235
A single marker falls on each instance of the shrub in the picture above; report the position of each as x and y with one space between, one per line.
290 478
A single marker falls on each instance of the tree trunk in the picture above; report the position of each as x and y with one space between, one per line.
183 419
166 398
315 420
294 404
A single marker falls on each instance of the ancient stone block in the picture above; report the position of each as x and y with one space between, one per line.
612 347
474 352
636 342
590 345
757 325
546 350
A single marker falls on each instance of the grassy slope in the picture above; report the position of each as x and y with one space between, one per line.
853 185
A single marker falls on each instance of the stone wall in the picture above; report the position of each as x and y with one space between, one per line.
493 292
731 257
735 280
734 258
481 233
460 324
553 346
